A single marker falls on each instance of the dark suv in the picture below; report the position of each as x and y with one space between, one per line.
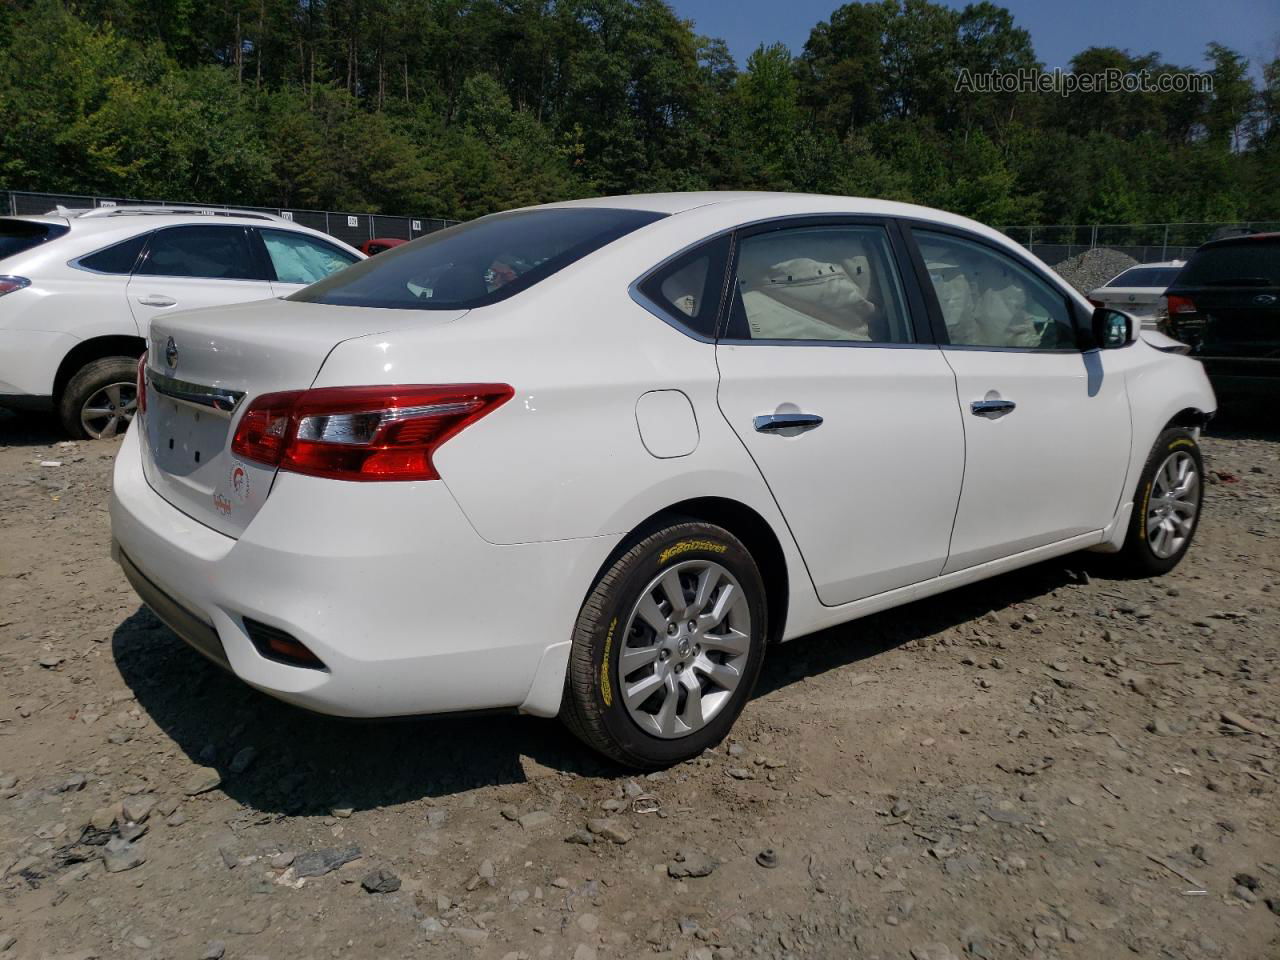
1225 303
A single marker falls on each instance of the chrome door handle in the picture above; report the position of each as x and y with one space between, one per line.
157 300
773 422
991 406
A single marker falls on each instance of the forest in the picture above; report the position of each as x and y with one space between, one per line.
456 108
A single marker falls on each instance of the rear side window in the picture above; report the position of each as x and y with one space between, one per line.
687 290
1239 264
211 253
477 263
17 236
297 258
1146 277
832 284
117 258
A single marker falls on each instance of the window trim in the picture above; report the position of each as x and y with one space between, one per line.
259 243
942 336
254 257
76 264
918 318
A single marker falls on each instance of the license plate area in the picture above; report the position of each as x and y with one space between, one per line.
185 442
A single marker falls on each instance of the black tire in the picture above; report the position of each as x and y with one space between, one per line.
1138 557
593 706
88 381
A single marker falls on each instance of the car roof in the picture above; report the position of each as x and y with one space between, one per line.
107 227
1243 238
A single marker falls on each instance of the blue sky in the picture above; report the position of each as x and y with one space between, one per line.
1178 29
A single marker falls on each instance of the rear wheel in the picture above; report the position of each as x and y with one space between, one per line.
667 647
100 400
1166 510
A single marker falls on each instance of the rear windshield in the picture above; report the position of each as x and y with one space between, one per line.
19 235
1146 277
1237 264
476 263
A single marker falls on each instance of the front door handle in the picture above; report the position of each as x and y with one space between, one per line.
773 422
157 300
991 406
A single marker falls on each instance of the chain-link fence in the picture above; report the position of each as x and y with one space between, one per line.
352 228
1145 242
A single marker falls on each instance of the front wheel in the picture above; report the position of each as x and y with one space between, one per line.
99 401
667 647
1166 510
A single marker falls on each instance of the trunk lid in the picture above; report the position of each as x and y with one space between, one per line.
205 367
1144 302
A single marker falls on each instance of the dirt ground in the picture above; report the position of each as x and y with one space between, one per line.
1055 763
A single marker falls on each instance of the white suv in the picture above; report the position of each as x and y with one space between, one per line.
79 288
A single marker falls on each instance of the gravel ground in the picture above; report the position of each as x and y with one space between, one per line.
1054 763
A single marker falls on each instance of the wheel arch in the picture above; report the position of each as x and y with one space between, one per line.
95 348
1190 417
743 522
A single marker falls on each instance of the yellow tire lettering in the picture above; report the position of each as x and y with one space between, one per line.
1182 442
606 689
684 546
1142 517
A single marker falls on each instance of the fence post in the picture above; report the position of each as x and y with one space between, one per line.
1164 251
1093 237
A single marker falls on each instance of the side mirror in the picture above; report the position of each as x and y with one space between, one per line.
1112 329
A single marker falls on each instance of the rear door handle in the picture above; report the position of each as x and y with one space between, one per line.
773 422
157 300
991 406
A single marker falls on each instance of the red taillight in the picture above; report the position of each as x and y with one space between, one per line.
362 433
10 284
1180 305
141 386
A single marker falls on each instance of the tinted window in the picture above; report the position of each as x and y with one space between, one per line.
298 258
688 289
19 235
836 283
1146 277
990 300
213 253
477 263
1239 264
118 258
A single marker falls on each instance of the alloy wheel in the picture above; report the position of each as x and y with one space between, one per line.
1173 505
109 411
685 648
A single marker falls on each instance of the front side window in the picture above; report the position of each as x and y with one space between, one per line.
211 253
990 300
297 258
824 283
478 263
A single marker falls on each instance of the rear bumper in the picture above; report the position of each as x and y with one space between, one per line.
409 609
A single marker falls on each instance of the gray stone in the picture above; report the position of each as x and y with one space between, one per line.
136 809
381 880
535 819
243 758
119 855
610 830
691 863
202 780
316 863
214 950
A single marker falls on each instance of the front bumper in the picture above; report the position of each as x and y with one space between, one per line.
387 583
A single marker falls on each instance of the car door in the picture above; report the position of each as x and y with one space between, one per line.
1046 425
200 265
828 379
298 259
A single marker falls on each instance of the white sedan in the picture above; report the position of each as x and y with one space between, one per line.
1139 291
593 458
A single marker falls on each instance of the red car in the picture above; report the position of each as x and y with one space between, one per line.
379 245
